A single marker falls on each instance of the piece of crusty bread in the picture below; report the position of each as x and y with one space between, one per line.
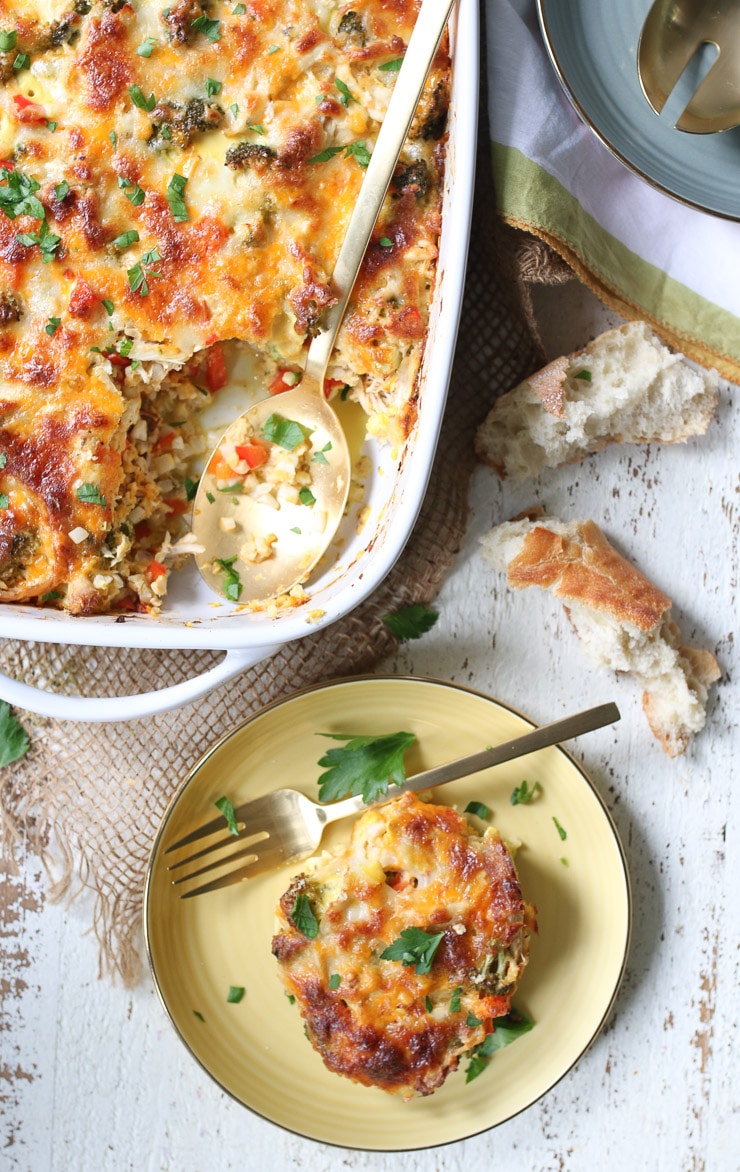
623 620
638 392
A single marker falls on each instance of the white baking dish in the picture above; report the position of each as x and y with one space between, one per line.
192 618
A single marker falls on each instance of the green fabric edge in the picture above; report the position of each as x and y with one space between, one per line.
527 194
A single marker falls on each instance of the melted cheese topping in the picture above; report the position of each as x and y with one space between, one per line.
196 166
382 1022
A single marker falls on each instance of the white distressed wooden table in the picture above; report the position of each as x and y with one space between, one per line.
93 1078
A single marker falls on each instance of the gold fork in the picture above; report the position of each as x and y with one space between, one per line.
285 826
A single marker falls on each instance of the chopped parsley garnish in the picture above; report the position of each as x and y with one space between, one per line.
346 95
365 765
147 47
472 1021
239 10
356 150
561 831
3 459
210 498
319 457
4 500
235 994
410 622
134 194
303 917
286 433
126 346
52 596
232 582
48 241
61 190
209 28
522 795
18 198
108 306
52 326
306 497
213 87
505 1031
113 139
90 494
428 1004
126 238
257 127
414 947
176 198
8 40
273 49
22 61
385 242
191 488
138 275
198 1014
455 1000
564 861
392 66
478 809
143 103
295 529
51 126
584 374
291 998
227 809
334 981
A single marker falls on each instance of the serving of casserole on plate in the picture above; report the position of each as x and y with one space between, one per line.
174 188
253 1044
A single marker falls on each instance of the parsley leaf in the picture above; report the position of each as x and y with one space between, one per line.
48 241
14 741
134 194
126 238
140 272
17 196
410 622
365 765
213 87
52 326
147 47
176 198
8 40
524 793
561 831
235 994
61 190
346 95
584 374
306 497
4 500
209 28
455 1000
143 103
392 66
478 809
90 494
287 433
505 1031
232 582
227 809
335 981
359 153
414 947
191 488
303 917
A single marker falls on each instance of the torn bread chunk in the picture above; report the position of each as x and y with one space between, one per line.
625 387
622 619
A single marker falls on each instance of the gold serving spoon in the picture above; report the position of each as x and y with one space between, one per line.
672 33
253 551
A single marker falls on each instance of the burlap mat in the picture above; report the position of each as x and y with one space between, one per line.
88 799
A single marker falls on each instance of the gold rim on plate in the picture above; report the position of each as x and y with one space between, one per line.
256 1050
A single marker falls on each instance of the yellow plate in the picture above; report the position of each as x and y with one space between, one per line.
256 1049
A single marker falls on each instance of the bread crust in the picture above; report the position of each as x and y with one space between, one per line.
588 570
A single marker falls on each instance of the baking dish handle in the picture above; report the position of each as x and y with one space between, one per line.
114 708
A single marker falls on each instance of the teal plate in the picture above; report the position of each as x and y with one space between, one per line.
593 47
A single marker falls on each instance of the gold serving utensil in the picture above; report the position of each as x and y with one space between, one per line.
292 538
285 826
672 33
